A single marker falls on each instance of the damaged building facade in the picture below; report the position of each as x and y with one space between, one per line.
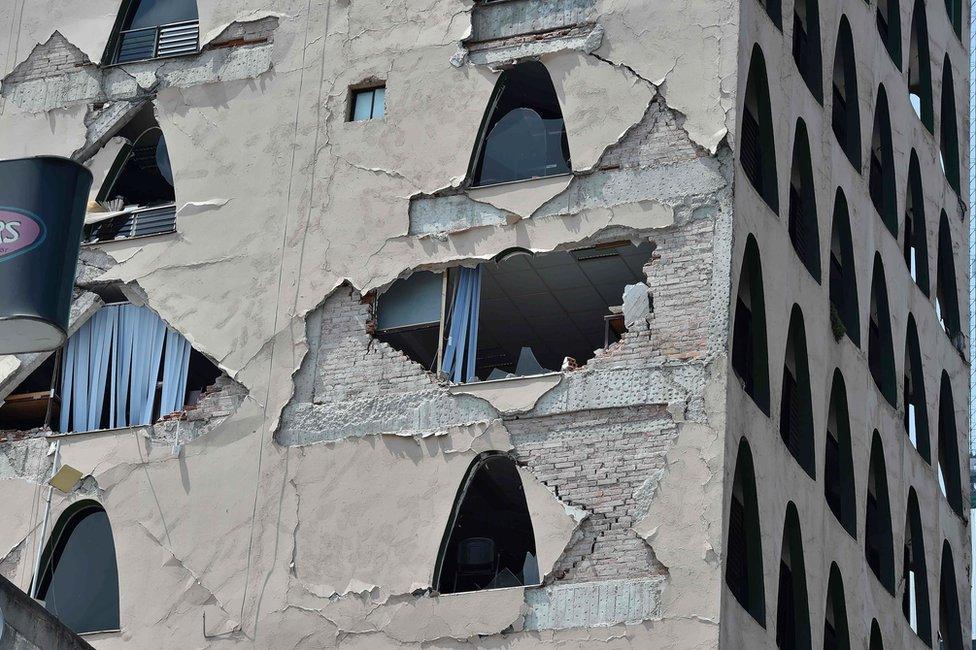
583 323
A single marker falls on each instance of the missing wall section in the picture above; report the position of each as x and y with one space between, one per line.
520 314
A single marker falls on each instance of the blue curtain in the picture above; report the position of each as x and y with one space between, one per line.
176 363
121 345
462 340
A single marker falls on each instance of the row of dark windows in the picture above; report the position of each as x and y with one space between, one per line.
757 149
750 365
744 572
758 162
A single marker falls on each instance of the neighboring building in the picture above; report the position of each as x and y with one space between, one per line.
26 625
578 323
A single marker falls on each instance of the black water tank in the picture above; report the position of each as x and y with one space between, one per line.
42 211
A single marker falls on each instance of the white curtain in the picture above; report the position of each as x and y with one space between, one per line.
123 345
462 341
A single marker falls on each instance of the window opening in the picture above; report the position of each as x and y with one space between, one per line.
520 315
916 413
950 627
806 45
137 198
124 367
844 316
489 542
954 12
774 9
758 150
523 135
796 410
792 609
881 357
878 544
803 224
948 133
876 642
920 68
888 18
368 104
914 246
839 459
749 352
845 114
915 597
836 634
881 182
78 578
948 468
743 563
946 294
151 29
35 402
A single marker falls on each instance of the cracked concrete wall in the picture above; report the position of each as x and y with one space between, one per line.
786 282
287 213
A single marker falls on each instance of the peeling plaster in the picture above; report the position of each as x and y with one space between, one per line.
509 396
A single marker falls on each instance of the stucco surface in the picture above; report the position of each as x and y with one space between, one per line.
280 201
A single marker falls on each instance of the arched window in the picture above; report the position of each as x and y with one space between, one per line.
836 633
914 246
950 626
948 133
522 135
915 594
839 459
803 226
946 294
888 17
916 417
876 642
489 542
757 150
796 409
878 543
881 356
150 29
78 580
749 353
806 45
774 9
743 563
845 117
792 608
141 174
881 182
948 468
844 317
920 67
954 11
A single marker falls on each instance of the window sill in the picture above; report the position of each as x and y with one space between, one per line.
521 180
511 394
57 435
155 58
122 240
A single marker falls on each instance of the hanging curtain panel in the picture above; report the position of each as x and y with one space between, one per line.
121 348
462 342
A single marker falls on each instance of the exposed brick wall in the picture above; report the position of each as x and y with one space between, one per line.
349 361
681 284
655 141
599 460
56 56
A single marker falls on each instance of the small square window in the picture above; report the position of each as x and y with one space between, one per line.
368 104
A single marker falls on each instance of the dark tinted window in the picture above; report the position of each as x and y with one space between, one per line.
80 579
149 13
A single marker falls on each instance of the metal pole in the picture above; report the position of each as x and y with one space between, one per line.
47 511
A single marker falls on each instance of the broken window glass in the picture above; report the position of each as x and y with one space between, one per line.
489 542
34 403
523 135
78 578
